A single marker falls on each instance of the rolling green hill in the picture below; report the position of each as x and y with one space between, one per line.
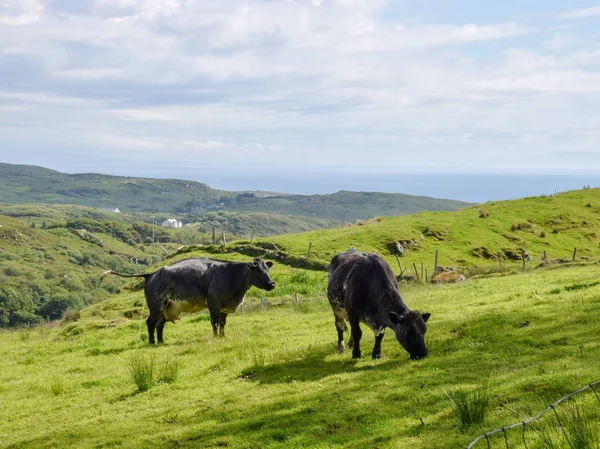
476 235
197 229
30 184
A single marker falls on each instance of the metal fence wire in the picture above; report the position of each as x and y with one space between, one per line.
523 424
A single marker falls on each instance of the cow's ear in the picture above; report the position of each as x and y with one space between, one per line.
425 316
269 264
395 318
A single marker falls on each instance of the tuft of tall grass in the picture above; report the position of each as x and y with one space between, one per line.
142 371
579 426
57 385
471 406
25 334
168 372
579 429
257 356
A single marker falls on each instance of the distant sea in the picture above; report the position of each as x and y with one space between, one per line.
476 188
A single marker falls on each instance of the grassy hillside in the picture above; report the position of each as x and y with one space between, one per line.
29 184
44 272
198 228
472 236
276 380
523 337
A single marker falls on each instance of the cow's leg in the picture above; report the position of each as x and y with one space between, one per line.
215 316
222 320
151 323
160 325
356 335
350 342
376 354
340 325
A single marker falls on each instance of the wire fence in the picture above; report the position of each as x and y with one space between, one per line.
524 424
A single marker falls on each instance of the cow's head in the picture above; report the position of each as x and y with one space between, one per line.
259 274
410 332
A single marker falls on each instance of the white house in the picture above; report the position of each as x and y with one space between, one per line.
172 223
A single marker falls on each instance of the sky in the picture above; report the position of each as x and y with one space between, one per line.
151 87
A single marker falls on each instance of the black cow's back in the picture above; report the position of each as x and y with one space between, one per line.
372 290
339 268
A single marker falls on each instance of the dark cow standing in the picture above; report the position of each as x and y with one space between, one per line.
363 288
192 285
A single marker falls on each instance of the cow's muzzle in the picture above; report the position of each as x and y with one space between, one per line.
270 286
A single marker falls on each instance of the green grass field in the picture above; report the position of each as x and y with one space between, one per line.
276 380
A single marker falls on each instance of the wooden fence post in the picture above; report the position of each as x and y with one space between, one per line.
545 255
214 237
399 264
422 267
574 253
500 258
415 268
252 236
224 241
309 248
435 265
426 275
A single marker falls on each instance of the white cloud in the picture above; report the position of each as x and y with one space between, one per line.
20 12
323 82
592 11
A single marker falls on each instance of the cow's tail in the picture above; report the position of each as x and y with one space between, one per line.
109 272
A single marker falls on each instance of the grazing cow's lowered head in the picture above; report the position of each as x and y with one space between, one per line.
410 332
259 274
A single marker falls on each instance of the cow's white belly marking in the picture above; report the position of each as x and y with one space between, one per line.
175 308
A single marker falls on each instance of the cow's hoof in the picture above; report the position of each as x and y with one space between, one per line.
356 355
341 347
376 356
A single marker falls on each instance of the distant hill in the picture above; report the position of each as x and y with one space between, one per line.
30 184
474 236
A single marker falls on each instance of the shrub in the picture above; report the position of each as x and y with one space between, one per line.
71 315
471 406
142 371
543 235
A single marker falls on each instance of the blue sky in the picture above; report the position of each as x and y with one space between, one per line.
124 86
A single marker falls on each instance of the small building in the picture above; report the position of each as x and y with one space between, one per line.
116 210
172 223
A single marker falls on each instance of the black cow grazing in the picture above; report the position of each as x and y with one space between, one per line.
195 284
363 288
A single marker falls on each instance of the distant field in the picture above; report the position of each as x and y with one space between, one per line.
277 381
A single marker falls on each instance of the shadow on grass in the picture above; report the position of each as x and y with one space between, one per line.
318 363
